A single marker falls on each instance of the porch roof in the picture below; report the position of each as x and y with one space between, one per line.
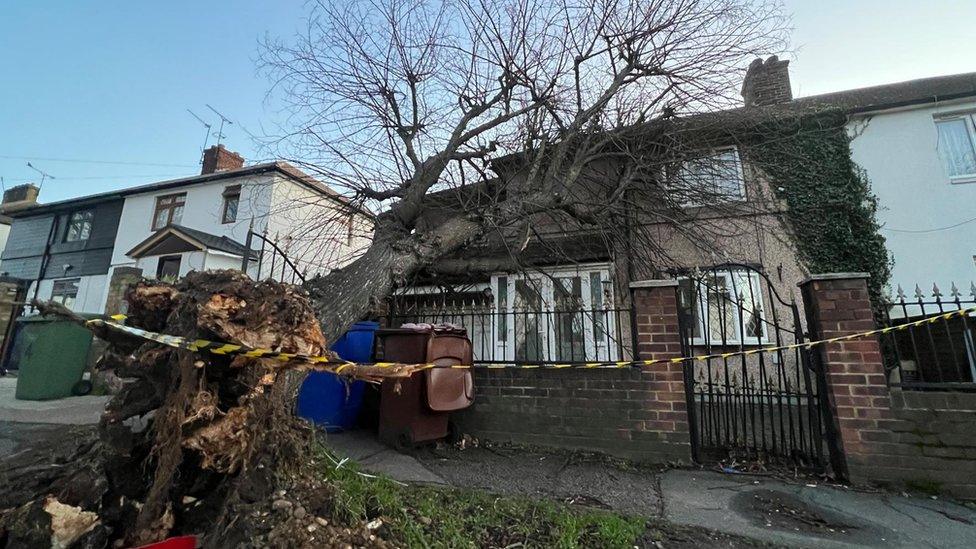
173 239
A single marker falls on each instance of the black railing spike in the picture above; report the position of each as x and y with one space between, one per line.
954 291
972 289
936 293
918 292
901 293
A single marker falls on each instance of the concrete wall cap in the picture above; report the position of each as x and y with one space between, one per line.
653 283
833 276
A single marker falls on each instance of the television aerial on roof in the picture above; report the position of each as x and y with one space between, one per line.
44 175
223 120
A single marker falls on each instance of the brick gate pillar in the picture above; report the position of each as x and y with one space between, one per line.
837 305
664 409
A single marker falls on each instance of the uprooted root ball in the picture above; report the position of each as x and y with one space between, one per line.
194 443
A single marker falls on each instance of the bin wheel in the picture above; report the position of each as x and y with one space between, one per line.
82 388
454 433
404 442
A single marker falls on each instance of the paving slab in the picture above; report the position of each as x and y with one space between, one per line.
568 477
83 410
374 456
800 515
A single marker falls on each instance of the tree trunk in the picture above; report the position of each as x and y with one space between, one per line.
345 296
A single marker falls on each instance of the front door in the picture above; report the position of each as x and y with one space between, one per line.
168 267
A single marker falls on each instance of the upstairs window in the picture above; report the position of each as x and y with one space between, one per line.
65 291
79 226
957 147
713 178
169 209
232 200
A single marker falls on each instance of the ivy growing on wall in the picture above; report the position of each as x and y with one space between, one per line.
830 207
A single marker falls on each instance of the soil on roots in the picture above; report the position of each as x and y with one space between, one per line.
194 443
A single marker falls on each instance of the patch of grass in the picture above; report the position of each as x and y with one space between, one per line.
420 516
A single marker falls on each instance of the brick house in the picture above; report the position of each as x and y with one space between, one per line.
577 295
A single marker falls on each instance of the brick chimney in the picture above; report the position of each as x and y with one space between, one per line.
767 83
219 159
20 196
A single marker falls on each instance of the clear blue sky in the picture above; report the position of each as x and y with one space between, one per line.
111 80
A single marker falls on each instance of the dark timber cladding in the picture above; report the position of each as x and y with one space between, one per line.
30 237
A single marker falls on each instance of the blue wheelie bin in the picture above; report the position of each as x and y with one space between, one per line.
328 400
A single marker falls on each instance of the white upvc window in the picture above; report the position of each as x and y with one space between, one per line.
556 316
714 177
957 146
725 308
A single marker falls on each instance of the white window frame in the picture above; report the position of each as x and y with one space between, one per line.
969 119
80 223
740 196
62 298
754 298
594 348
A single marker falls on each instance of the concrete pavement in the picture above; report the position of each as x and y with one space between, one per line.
82 410
759 507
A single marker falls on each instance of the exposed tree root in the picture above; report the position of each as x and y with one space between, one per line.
194 443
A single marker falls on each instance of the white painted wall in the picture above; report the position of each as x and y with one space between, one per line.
898 151
4 233
313 229
203 210
91 293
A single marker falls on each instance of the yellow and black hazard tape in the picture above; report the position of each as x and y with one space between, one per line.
221 348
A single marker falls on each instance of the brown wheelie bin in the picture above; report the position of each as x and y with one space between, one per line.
417 409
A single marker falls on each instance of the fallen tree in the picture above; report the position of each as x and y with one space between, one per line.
396 102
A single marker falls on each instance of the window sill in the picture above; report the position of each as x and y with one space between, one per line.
963 180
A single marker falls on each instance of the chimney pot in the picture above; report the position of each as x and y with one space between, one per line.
767 83
219 159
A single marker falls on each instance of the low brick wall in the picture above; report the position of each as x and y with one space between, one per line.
630 413
618 412
930 443
924 440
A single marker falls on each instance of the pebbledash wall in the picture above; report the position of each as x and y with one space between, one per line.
921 440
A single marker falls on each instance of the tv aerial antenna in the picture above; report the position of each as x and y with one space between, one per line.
44 175
223 120
205 125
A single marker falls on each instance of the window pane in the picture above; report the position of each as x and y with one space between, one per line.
177 214
529 325
568 295
502 293
160 221
750 299
956 147
230 208
721 319
65 292
79 226
596 303
713 178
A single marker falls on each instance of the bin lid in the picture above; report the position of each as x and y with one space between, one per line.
55 318
365 326
412 328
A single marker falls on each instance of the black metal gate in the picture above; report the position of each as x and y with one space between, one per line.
765 406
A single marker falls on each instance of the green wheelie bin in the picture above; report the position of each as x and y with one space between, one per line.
51 355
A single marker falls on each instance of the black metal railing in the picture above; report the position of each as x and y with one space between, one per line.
270 261
940 354
766 406
533 336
